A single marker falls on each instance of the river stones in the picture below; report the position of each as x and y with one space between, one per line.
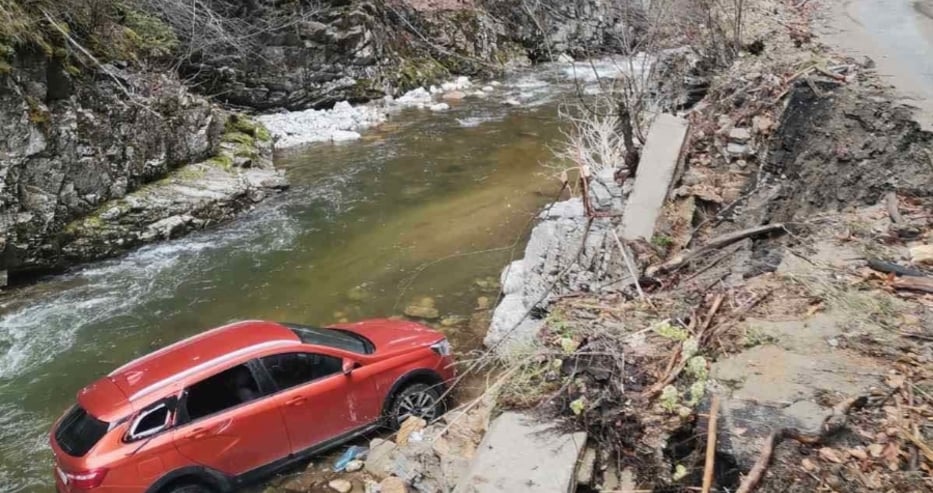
423 309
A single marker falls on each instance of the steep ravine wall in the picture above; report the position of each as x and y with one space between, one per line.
90 145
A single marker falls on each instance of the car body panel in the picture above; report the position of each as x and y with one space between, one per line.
254 437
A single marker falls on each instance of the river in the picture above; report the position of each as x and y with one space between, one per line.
427 205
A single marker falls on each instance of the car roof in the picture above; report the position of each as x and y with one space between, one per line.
202 352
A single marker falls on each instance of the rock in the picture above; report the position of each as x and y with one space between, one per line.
453 321
340 485
358 293
483 303
454 95
370 486
922 255
763 124
439 107
393 484
423 309
738 150
565 58
354 465
379 459
488 88
300 484
740 135
512 102
411 425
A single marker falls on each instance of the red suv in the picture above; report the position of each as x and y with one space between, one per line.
232 405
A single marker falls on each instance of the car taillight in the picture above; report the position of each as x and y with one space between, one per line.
86 480
441 347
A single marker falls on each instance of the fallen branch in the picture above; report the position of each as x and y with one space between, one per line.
832 424
710 446
761 465
720 241
913 283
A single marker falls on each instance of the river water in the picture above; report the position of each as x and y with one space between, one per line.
427 205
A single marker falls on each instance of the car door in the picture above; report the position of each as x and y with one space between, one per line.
229 423
318 401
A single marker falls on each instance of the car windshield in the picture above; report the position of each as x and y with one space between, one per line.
335 338
79 432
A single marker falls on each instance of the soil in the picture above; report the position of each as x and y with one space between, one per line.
793 332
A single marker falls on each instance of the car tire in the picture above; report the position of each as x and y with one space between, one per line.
190 488
424 401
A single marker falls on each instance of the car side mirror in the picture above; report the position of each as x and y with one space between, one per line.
349 365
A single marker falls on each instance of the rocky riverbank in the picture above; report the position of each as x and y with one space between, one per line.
97 119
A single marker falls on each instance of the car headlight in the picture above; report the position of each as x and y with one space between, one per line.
441 347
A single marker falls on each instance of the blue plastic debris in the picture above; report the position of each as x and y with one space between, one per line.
354 452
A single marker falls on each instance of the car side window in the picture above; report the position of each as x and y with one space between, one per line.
292 369
150 421
220 392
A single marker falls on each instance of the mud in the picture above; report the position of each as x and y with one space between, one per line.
846 147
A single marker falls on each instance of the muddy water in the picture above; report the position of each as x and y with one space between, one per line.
425 206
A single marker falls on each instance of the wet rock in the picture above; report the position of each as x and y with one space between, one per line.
922 255
359 293
340 485
453 321
454 95
423 309
487 283
483 303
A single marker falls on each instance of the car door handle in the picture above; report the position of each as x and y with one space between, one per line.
295 401
203 431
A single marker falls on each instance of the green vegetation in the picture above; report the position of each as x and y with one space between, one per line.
107 29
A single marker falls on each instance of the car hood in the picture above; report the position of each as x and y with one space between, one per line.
393 335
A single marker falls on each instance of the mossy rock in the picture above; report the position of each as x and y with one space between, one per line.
242 124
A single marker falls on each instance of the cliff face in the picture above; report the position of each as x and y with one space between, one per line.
73 144
319 53
103 103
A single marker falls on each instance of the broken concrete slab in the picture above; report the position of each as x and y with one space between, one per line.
520 453
787 382
659 161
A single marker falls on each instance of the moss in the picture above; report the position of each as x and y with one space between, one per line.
242 124
148 35
38 115
415 72
668 331
5 68
239 138
246 151
222 161
187 173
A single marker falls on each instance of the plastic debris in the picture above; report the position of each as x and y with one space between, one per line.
354 452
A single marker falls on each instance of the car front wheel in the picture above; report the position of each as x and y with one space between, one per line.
423 401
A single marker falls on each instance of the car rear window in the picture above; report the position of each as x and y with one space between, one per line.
79 432
335 338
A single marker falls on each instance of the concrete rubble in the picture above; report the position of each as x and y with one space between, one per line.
659 161
546 462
